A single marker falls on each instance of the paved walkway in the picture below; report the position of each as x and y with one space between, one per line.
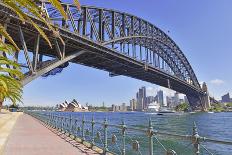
7 122
30 137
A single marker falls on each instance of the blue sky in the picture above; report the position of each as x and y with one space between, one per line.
201 28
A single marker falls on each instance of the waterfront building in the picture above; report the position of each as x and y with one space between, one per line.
133 104
75 106
113 107
186 99
141 99
226 98
117 108
63 106
169 101
176 99
160 96
123 107
149 99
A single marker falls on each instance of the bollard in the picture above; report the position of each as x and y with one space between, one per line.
195 139
83 128
105 137
150 134
123 137
92 131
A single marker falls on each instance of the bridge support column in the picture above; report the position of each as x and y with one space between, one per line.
200 101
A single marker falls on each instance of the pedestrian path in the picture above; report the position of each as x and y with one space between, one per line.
7 122
30 137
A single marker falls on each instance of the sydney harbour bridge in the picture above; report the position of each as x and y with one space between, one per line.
105 39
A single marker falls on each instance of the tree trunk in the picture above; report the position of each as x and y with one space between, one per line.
1 102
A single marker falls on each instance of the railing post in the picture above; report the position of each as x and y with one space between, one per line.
150 134
83 127
62 123
92 131
123 137
105 137
195 139
70 125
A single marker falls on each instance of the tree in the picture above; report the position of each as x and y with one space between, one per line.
182 107
10 75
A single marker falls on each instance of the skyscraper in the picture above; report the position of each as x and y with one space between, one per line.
176 99
141 99
186 99
226 98
133 104
160 96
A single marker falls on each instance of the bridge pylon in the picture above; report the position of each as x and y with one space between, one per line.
201 101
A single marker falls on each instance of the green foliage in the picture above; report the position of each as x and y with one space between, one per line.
10 76
216 108
182 107
229 104
100 109
14 106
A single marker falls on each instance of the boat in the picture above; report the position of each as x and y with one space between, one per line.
165 110
153 107
210 112
192 112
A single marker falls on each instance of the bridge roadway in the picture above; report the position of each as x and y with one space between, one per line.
81 49
30 137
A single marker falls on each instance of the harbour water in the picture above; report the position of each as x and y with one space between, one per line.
210 125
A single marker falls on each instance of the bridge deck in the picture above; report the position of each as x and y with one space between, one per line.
29 137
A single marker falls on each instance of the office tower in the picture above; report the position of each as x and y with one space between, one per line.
176 99
133 104
141 99
226 98
186 100
160 95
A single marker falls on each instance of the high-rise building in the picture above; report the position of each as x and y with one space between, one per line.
176 99
149 99
133 104
123 107
186 99
169 101
113 107
226 98
160 95
141 99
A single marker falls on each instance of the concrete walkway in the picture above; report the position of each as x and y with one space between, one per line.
30 137
7 122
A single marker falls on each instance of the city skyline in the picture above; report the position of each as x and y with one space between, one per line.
84 83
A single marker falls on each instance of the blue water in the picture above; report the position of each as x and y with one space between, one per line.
215 126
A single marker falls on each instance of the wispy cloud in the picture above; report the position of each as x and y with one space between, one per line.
217 82
151 91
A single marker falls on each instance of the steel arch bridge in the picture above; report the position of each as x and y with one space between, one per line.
109 40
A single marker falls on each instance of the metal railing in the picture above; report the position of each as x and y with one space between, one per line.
78 129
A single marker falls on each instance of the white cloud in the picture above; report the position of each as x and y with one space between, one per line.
151 91
217 82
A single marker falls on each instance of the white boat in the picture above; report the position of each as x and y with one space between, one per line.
210 112
153 107
192 112
165 110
